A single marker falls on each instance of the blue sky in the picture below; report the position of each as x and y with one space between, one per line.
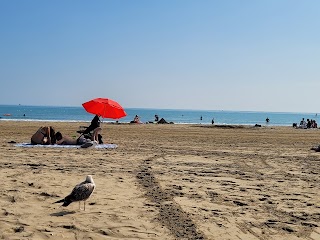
177 54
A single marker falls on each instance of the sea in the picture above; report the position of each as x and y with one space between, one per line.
176 116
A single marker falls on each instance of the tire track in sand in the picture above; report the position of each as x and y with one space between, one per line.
171 214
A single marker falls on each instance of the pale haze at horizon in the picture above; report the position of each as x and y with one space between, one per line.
209 55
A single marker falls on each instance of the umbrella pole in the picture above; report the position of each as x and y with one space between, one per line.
104 112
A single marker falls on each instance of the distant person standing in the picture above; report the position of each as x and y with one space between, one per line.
267 120
212 121
156 118
200 118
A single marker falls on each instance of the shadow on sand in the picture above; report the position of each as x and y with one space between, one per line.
62 213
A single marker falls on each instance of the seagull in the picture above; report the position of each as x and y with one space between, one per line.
81 192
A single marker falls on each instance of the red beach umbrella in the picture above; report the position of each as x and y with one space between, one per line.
105 108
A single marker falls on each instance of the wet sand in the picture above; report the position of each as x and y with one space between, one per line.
164 182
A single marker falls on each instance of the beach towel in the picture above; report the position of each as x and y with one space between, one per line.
64 146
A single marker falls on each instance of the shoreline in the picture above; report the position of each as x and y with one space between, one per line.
164 181
78 114
150 122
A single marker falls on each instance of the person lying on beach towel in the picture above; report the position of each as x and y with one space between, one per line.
82 141
44 135
65 140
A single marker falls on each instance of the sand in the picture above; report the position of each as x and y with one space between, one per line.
164 182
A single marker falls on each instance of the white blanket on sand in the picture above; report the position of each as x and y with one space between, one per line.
64 146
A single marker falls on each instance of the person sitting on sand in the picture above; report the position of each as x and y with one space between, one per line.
44 135
314 124
136 119
303 124
89 131
95 123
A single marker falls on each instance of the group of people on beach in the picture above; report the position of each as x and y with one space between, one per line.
310 123
136 119
47 135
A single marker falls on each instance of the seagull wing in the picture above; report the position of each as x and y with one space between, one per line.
81 192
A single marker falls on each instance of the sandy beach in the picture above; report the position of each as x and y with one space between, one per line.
164 182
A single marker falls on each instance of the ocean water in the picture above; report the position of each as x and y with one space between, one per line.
78 114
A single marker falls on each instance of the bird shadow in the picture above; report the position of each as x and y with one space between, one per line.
62 213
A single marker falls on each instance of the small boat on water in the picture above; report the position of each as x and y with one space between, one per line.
7 114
